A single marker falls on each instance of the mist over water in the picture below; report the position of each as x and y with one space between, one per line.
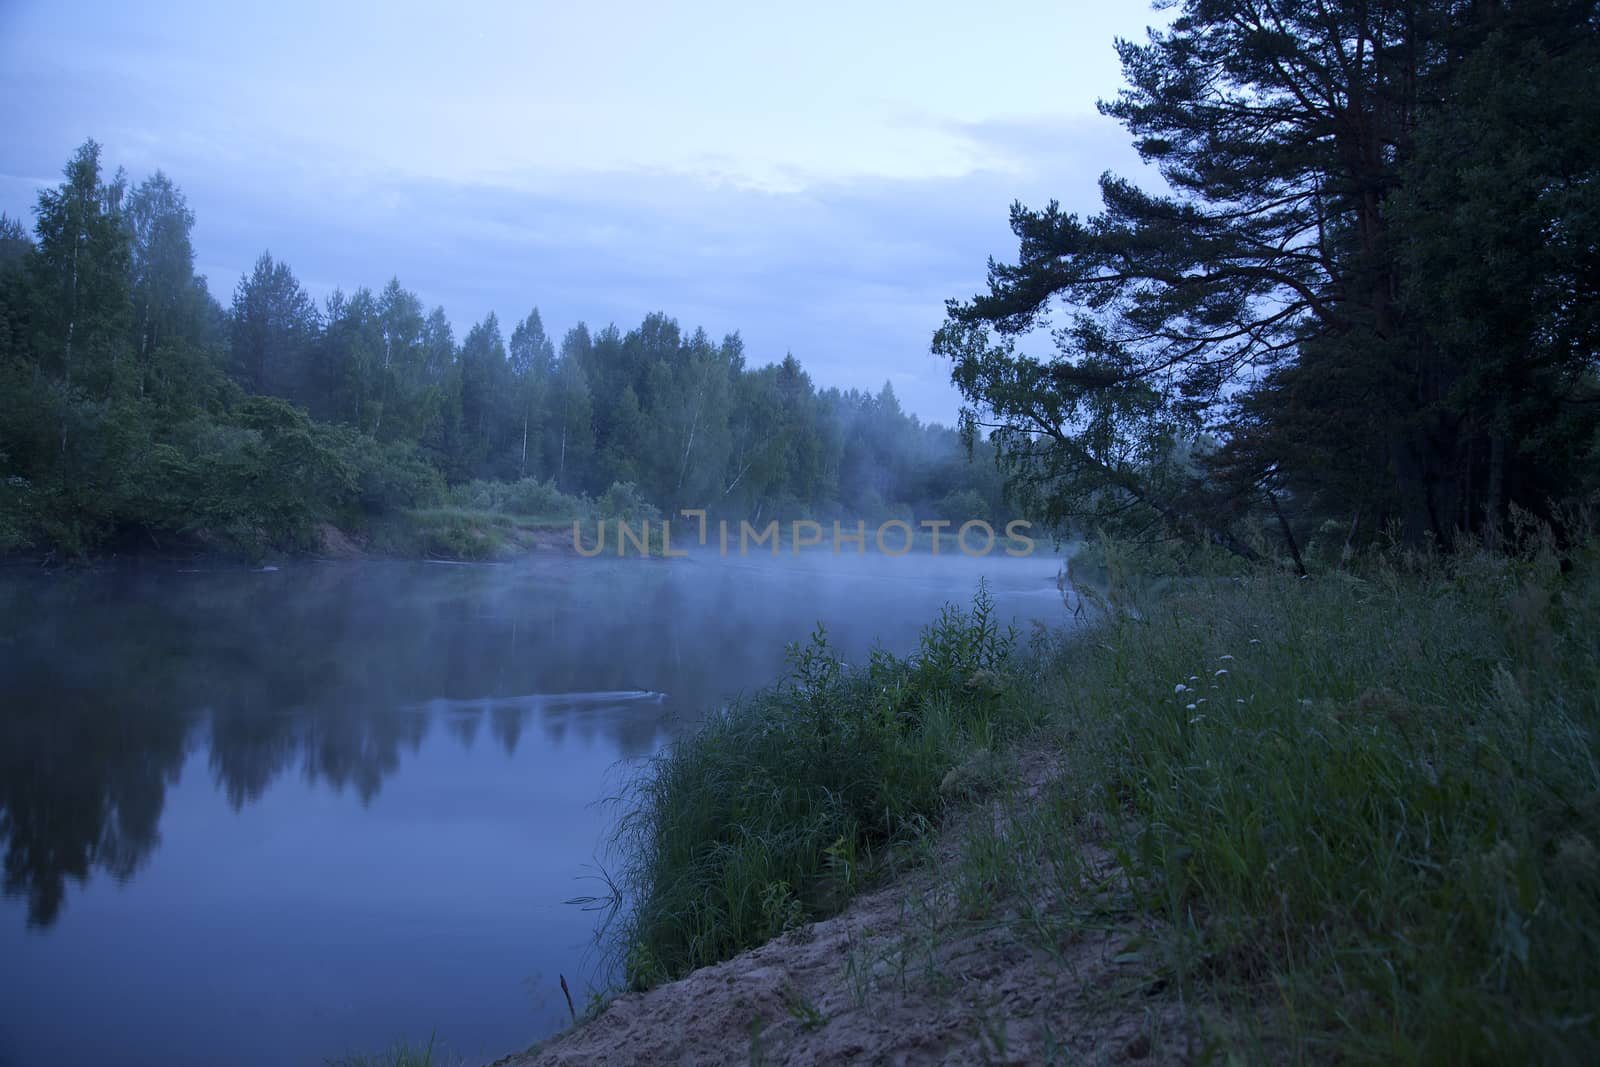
272 817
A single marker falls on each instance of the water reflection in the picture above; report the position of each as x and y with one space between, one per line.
285 815
79 791
109 679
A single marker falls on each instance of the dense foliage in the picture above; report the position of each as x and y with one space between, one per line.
772 812
137 411
1366 300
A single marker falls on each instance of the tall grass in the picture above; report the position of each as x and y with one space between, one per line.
1353 818
775 809
1367 808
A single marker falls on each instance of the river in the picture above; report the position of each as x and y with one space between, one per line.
278 816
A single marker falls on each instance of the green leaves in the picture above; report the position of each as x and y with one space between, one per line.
1351 284
137 412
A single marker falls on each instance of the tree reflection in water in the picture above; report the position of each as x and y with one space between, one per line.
331 675
109 680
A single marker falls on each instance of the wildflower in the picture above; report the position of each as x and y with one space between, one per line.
1223 673
1180 688
1226 659
1240 700
1255 640
1190 707
1197 718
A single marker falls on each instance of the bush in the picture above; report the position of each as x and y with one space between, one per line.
626 502
964 505
388 477
529 498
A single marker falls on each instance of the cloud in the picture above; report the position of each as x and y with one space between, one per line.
850 275
714 171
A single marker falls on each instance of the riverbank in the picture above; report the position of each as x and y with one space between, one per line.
447 534
1351 818
459 535
474 521
454 534
926 969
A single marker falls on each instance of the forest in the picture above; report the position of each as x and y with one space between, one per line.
1360 304
138 414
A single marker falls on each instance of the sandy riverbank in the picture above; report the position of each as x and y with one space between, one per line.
908 974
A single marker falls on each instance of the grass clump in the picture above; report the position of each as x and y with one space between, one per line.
1365 808
776 809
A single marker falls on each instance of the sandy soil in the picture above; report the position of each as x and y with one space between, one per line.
898 978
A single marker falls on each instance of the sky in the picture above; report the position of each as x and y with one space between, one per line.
820 177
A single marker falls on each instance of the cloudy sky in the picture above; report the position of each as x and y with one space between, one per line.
819 177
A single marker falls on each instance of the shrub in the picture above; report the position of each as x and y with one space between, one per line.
388 477
626 502
528 498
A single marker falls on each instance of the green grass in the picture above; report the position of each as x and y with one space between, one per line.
1357 817
1365 808
776 810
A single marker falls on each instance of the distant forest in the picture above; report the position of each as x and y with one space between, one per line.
137 412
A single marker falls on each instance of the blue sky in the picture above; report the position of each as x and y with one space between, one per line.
819 176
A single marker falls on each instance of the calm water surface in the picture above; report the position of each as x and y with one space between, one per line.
275 817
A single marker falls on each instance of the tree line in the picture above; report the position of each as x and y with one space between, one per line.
1366 305
137 411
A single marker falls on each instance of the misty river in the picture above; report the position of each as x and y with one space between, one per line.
270 817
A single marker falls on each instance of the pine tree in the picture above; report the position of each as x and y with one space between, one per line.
1294 137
